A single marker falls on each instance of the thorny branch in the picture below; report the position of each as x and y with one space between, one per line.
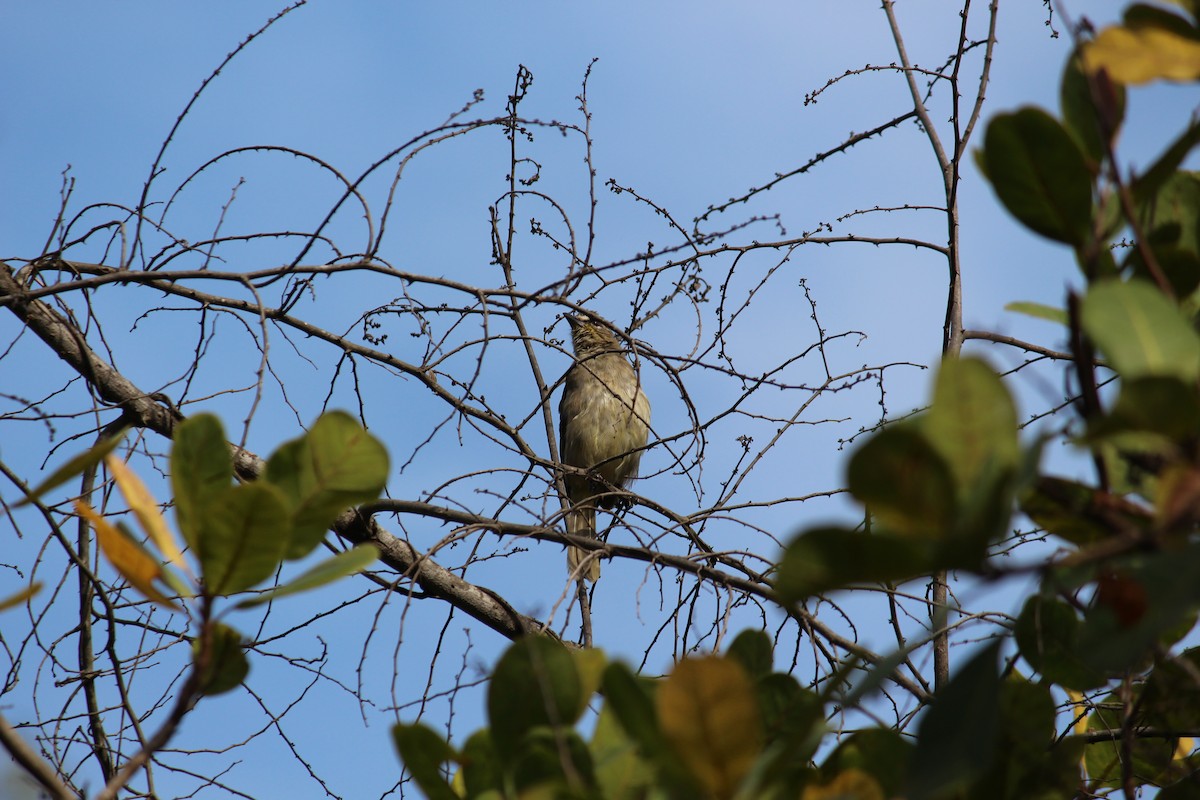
457 372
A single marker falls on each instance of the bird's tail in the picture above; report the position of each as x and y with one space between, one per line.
581 521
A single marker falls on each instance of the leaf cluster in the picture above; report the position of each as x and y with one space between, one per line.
940 492
237 534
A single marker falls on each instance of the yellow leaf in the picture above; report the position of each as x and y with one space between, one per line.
14 600
1081 713
589 664
1143 54
1081 717
126 555
1184 748
853 784
142 504
709 713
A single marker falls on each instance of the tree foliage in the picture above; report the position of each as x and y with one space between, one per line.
941 490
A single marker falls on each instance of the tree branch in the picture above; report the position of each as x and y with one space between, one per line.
143 411
31 762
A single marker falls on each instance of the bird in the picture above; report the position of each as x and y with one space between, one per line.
604 424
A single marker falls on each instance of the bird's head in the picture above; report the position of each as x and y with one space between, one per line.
591 336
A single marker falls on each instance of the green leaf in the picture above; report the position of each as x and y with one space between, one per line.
972 425
1181 267
631 701
882 753
178 585
1027 715
1102 264
1040 174
481 768
957 737
225 666
1058 507
1140 605
1080 114
754 651
201 473
535 683
1184 790
74 466
1151 758
1065 509
790 712
905 482
825 559
620 771
1162 405
1172 214
590 663
1127 477
1038 310
336 465
1146 186
1078 513
423 752
545 759
633 706
1029 762
1140 331
346 563
244 538
1047 633
794 726
1171 700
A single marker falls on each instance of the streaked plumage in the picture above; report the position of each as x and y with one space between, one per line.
604 420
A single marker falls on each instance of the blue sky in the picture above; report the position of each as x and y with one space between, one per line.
691 104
